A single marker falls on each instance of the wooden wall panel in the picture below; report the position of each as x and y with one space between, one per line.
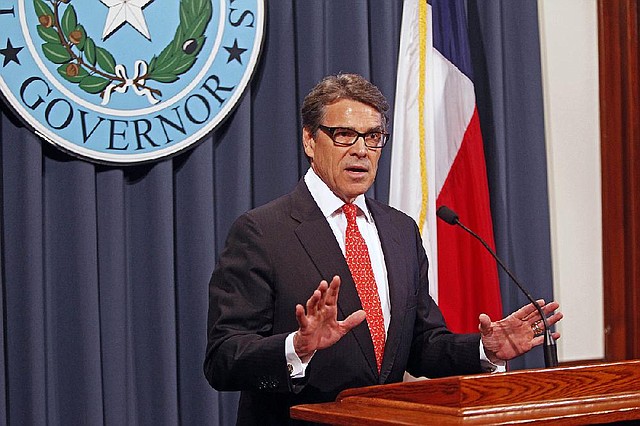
620 150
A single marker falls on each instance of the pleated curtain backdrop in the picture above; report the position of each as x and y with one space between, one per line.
105 269
508 76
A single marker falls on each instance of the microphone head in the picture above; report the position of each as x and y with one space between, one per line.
448 215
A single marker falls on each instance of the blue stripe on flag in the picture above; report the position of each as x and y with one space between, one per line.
450 33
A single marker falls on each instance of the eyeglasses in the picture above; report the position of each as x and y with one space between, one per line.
344 136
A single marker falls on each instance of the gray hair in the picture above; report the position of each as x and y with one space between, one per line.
336 87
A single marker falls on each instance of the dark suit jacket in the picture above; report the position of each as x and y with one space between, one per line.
275 257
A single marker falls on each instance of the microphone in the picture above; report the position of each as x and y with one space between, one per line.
550 350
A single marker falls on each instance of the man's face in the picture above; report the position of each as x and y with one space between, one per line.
347 170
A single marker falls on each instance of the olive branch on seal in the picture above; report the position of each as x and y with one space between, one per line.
95 70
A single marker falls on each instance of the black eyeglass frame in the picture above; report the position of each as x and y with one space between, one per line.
329 131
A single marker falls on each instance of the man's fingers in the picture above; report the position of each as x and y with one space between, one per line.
484 324
547 309
550 307
353 320
318 297
531 315
335 282
326 294
554 318
333 291
537 341
529 311
301 317
312 302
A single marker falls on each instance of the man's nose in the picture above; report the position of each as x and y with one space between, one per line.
359 148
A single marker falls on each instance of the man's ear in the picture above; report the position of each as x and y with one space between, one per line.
308 142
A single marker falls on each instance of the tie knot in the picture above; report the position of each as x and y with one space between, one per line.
350 211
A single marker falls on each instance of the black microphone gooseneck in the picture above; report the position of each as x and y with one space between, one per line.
550 349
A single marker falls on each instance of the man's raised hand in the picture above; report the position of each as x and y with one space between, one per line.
319 327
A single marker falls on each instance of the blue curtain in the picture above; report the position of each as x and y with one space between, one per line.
506 60
104 270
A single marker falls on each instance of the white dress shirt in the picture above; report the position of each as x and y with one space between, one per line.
331 207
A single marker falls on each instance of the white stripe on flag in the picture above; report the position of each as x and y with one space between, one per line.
449 103
407 186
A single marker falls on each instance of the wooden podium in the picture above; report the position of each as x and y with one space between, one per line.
600 393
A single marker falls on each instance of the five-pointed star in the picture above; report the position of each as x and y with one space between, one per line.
125 11
235 52
10 54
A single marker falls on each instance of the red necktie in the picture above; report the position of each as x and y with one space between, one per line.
359 264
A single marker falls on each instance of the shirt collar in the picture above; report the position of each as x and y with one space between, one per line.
328 202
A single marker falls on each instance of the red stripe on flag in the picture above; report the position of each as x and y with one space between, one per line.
467 275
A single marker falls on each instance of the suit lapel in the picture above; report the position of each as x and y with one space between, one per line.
397 280
318 241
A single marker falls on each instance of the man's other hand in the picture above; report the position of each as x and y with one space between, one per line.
513 336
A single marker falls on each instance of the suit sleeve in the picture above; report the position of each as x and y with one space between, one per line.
242 351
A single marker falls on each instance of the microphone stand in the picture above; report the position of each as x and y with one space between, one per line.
550 349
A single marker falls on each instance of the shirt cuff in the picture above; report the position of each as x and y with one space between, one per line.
295 366
488 366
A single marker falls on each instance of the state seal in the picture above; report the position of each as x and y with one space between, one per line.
127 81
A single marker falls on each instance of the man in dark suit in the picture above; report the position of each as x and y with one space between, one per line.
292 288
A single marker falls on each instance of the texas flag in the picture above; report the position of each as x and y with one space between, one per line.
438 159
